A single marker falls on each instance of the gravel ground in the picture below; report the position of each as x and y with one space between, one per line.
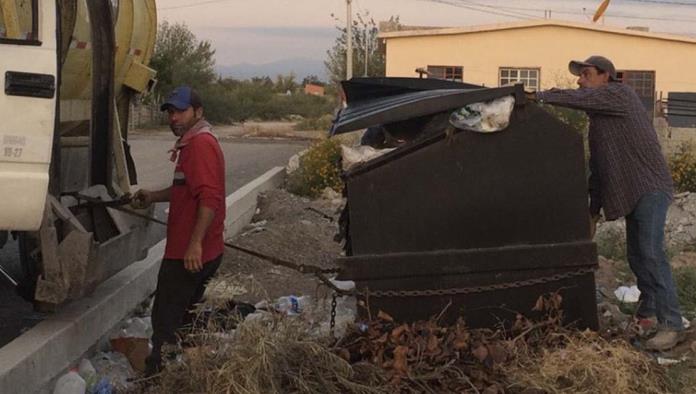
291 228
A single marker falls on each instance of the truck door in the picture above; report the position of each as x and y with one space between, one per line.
28 83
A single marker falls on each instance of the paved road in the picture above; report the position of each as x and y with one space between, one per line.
245 160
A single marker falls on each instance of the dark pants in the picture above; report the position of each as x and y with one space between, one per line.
177 291
645 234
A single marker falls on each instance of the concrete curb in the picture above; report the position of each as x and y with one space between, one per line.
36 357
241 205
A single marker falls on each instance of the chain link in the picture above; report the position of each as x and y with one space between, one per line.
477 289
332 323
320 272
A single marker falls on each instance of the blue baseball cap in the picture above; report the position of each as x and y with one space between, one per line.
181 98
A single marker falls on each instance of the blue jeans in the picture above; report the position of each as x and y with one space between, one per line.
645 234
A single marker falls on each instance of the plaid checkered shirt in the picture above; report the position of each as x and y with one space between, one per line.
626 161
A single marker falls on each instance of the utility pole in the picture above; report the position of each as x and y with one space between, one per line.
367 46
349 43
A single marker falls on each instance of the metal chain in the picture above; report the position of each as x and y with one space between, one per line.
319 272
302 268
477 289
332 322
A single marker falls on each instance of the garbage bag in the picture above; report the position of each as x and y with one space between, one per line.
485 117
361 154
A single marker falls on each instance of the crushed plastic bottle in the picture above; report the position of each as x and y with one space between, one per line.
70 383
135 328
88 373
116 368
292 305
103 387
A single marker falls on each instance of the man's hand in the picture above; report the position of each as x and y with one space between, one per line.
193 257
531 96
593 225
142 199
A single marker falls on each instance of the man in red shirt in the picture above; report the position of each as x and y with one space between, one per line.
196 220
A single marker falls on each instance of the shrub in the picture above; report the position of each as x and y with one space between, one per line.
322 123
573 118
685 278
611 243
683 166
319 168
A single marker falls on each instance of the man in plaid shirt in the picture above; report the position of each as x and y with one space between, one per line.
629 178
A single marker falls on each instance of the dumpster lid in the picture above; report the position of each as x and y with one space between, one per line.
358 89
380 101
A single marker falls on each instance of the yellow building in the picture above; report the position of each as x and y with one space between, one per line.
537 53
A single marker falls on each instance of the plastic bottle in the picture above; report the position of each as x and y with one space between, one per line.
103 387
70 383
88 373
291 305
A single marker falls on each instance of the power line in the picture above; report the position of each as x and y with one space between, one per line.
506 8
176 7
612 15
563 12
486 11
664 2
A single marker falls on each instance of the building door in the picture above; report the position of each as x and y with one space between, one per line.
644 84
28 70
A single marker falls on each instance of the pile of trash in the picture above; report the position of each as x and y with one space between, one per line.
278 352
111 370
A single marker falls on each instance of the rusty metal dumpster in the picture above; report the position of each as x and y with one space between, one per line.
472 225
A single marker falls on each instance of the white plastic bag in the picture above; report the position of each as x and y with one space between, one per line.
627 294
360 154
70 383
485 117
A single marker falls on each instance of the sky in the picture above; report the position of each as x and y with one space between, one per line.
265 31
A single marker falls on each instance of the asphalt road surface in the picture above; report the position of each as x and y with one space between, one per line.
245 160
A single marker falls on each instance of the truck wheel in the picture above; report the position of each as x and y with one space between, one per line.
29 258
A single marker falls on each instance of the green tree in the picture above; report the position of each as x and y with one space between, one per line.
285 83
365 39
313 79
181 59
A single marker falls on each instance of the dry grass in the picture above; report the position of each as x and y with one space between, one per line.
275 356
586 363
272 354
280 354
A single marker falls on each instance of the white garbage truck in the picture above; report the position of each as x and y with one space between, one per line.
69 70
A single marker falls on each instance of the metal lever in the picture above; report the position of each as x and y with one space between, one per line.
6 275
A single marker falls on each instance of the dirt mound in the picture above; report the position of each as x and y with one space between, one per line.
291 228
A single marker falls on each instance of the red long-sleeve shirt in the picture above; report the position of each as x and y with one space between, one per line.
199 180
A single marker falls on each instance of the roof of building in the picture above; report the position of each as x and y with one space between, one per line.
531 24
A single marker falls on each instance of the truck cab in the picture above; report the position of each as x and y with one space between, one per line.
70 70
29 75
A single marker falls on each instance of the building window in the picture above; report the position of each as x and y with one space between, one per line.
528 76
450 73
643 82
18 21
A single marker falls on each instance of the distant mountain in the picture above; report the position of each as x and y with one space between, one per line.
301 67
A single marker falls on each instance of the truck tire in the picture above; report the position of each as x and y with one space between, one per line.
29 258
